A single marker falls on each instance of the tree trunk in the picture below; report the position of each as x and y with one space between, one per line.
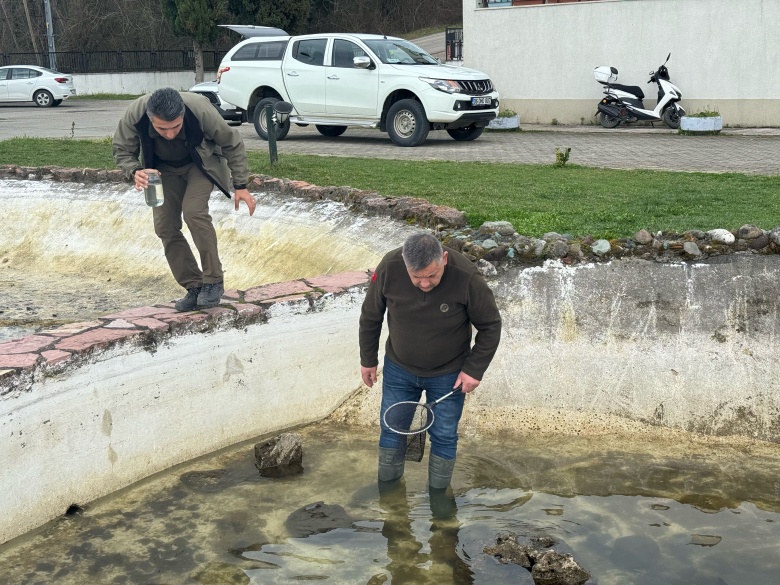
10 25
198 48
29 24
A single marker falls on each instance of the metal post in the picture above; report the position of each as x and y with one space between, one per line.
269 124
50 37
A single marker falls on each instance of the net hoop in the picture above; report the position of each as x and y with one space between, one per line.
399 406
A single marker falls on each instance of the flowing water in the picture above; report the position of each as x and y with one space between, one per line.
72 252
688 512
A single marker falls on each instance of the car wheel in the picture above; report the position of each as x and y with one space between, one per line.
467 133
259 120
407 124
608 121
672 117
331 130
43 98
57 102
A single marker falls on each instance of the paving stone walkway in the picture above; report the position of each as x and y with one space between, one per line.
753 151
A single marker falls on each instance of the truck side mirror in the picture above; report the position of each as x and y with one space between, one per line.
362 62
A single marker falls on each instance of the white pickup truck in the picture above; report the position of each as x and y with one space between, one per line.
335 81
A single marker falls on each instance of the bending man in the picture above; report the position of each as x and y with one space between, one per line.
433 296
182 136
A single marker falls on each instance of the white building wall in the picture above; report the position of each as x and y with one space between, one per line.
725 54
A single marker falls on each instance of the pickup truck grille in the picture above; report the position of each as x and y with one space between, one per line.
480 87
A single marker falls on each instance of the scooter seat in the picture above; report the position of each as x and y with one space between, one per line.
632 89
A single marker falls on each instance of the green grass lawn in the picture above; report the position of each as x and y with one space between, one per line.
535 198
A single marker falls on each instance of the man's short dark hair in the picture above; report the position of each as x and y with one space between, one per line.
420 250
166 104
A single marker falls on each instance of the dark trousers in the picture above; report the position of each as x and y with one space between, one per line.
187 193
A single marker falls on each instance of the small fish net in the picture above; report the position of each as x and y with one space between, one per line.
410 419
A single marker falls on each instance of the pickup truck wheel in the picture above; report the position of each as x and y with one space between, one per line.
259 120
331 130
467 133
407 124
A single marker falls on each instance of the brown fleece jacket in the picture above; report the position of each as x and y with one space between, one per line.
430 333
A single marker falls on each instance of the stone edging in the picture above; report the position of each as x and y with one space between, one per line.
412 209
28 359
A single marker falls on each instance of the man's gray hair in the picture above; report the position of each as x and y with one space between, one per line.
166 104
420 250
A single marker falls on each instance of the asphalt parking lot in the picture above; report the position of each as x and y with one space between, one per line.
747 150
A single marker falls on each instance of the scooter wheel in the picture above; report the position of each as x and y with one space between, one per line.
608 121
672 118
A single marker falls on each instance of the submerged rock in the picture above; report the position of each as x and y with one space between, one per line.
280 456
547 567
552 568
317 518
209 481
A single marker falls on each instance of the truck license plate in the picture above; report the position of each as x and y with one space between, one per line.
481 101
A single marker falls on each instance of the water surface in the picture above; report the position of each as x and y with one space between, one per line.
639 512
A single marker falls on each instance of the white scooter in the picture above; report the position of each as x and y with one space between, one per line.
623 103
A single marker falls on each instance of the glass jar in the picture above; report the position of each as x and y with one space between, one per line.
154 191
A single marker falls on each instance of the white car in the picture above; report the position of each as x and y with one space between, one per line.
228 111
30 83
340 80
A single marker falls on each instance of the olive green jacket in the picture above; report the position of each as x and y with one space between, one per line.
216 148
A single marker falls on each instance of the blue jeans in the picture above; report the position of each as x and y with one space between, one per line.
399 384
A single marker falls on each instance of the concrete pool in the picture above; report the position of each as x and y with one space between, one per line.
624 348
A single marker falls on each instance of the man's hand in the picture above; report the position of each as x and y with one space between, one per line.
141 178
246 197
369 376
467 383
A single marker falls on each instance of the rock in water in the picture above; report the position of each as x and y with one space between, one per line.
280 456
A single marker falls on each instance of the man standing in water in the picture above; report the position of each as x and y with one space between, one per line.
181 135
433 296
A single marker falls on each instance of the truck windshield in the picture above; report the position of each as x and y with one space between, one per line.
400 52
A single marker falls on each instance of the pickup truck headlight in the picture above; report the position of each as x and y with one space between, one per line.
445 85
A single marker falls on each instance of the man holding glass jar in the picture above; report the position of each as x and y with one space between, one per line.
182 137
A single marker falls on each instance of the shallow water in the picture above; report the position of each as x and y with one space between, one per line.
630 513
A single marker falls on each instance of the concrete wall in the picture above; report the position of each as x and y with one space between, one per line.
135 83
134 410
624 346
541 58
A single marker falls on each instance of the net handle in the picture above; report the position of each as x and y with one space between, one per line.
428 407
447 395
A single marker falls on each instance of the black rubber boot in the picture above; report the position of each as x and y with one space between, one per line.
443 505
439 471
389 468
